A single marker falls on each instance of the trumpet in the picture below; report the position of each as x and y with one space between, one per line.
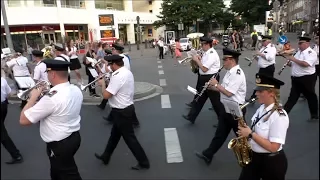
190 54
94 62
92 84
286 64
253 58
24 95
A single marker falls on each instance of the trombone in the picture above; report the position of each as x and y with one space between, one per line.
24 95
92 84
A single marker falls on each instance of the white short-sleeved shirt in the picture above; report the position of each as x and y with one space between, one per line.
61 59
309 56
210 59
274 129
316 49
59 115
121 86
72 50
234 81
270 52
160 43
126 61
5 89
39 72
19 66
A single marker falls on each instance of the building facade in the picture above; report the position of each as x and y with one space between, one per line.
44 21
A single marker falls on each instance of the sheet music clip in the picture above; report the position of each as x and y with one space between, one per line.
232 107
192 90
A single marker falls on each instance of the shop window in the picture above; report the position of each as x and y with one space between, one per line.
150 2
14 3
107 4
49 2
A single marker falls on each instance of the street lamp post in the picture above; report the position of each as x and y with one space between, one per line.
6 26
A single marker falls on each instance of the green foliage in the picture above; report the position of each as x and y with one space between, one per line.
188 11
253 11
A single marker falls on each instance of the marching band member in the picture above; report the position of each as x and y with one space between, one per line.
117 49
39 73
91 54
60 124
74 60
208 65
60 55
303 78
316 49
5 138
19 68
120 93
267 134
266 58
233 87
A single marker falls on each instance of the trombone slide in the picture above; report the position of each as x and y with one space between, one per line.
82 87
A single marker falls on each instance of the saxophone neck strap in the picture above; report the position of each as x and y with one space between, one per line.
259 118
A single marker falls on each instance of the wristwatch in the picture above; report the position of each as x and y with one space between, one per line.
250 135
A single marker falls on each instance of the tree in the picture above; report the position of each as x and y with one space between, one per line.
212 10
252 10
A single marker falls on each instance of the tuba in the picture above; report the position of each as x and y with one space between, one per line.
47 52
240 145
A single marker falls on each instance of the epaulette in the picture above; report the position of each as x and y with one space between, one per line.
211 51
265 52
281 112
115 73
50 94
309 52
238 71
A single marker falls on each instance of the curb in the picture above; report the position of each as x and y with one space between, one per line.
143 91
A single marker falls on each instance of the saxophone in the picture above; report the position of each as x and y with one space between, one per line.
240 145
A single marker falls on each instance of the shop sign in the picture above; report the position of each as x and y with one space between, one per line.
106 20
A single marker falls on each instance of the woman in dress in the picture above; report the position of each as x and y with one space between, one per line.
75 63
177 51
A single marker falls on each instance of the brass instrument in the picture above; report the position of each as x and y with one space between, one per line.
255 57
240 145
190 54
94 62
24 95
92 84
47 52
206 85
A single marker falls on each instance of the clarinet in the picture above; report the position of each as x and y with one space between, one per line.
286 64
206 85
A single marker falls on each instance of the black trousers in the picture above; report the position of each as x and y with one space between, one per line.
226 123
61 156
266 166
23 102
69 79
160 52
214 97
90 79
254 42
134 119
268 71
317 69
306 86
103 103
5 138
122 127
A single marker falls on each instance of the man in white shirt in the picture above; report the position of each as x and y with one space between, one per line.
5 138
59 51
233 87
117 49
59 115
266 58
120 92
160 44
303 78
40 71
316 49
209 65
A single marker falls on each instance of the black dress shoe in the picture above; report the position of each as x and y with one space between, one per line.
105 162
203 157
102 108
15 160
140 167
187 118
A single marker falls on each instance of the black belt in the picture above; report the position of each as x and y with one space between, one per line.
269 154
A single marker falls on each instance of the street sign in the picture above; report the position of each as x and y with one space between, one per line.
283 39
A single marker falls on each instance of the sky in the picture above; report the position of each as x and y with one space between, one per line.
227 2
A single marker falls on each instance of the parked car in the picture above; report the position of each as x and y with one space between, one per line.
185 43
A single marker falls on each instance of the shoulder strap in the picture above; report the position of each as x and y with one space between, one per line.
63 58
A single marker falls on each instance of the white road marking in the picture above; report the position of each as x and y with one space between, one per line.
161 72
159 62
163 82
159 66
173 148
165 101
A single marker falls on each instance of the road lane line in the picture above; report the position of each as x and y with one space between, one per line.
163 82
161 72
159 62
173 148
159 66
165 101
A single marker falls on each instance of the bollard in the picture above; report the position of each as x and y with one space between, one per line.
129 45
146 44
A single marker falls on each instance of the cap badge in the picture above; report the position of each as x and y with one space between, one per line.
258 80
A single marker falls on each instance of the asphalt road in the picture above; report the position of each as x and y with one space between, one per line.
155 114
